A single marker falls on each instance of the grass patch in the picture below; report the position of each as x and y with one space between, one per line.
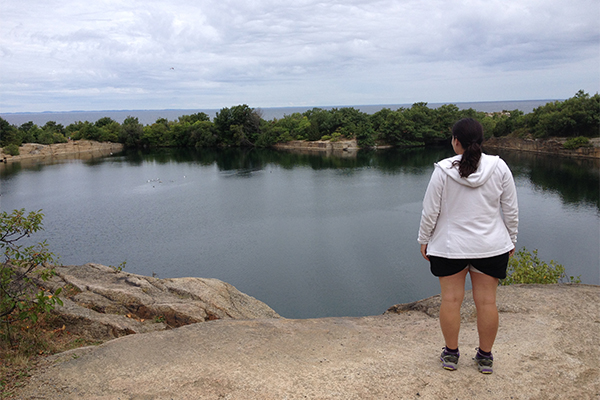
30 344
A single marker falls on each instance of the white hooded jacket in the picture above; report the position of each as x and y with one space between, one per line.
473 217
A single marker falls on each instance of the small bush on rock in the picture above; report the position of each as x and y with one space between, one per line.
525 267
12 149
577 142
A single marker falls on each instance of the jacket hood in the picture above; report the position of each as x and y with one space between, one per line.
487 165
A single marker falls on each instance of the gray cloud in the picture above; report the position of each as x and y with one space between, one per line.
152 54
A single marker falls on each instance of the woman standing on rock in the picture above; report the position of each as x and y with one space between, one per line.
469 225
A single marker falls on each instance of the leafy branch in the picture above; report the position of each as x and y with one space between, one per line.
20 298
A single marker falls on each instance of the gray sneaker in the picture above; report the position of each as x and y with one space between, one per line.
449 360
484 363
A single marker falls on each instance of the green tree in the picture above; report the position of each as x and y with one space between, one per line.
131 132
20 298
507 122
110 132
90 131
295 127
424 124
8 133
52 132
322 123
52 126
238 125
73 130
577 116
202 134
158 134
29 132
378 121
444 118
271 133
398 130
203 117
104 121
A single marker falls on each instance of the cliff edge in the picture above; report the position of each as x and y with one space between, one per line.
548 347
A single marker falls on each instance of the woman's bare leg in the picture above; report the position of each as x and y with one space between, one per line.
453 292
484 295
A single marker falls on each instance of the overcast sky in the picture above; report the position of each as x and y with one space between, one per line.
111 55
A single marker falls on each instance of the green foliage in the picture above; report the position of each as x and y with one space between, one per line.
12 149
507 122
577 116
131 132
577 142
238 125
20 299
243 126
336 136
29 132
118 268
8 133
525 267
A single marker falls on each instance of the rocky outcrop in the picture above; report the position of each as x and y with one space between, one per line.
72 149
544 146
548 347
340 148
101 302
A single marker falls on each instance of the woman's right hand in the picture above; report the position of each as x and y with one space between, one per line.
424 251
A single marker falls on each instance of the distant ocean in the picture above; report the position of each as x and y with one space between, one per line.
147 117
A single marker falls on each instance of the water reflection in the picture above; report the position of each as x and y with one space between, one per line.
390 160
576 181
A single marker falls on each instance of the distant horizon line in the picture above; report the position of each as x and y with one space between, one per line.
278 107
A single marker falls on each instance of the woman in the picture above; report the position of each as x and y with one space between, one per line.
469 225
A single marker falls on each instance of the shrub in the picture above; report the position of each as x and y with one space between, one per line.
336 136
525 267
20 298
577 142
12 149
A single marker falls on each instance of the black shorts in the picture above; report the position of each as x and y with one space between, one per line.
492 266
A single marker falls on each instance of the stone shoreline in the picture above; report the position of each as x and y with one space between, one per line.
84 149
87 149
552 146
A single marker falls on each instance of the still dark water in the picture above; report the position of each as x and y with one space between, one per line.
310 235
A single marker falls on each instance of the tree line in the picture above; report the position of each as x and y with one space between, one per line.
242 125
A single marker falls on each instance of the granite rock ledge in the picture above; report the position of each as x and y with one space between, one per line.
103 303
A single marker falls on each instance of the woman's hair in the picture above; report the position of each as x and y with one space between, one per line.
469 133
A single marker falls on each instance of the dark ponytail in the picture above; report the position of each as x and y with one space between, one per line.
469 133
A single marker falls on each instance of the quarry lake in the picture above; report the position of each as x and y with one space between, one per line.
310 235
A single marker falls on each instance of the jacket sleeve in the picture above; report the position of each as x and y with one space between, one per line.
509 203
432 204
